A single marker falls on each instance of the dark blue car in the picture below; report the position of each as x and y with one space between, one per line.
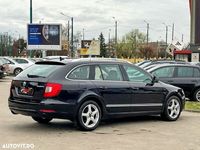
86 91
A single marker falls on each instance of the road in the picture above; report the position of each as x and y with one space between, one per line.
136 133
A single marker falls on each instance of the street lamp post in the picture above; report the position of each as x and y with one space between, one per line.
72 33
72 36
109 42
31 12
147 32
166 39
173 32
115 36
83 34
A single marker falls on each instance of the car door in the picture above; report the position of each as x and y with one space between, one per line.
186 78
111 86
146 97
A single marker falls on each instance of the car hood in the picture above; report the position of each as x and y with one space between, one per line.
169 85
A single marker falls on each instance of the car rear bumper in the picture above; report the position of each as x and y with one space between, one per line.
46 108
2 74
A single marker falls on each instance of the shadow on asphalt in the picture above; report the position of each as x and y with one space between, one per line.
68 126
6 79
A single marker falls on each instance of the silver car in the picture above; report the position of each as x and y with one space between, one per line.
15 67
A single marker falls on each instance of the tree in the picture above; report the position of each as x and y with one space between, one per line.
147 52
103 49
128 47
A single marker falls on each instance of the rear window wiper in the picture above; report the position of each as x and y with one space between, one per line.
34 76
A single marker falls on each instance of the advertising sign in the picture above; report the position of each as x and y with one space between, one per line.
89 47
44 37
195 57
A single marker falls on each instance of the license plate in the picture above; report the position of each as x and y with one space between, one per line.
26 91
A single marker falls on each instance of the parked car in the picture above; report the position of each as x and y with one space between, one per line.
185 76
15 67
3 68
36 59
155 62
24 61
2 73
86 91
195 63
143 62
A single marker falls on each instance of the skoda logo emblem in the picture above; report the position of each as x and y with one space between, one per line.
24 84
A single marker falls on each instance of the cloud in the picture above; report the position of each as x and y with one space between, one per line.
96 16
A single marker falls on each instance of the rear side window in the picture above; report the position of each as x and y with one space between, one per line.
185 72
21 61
111 72
80 73
165 72
39 70
196 72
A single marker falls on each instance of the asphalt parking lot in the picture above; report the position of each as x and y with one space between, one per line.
136 133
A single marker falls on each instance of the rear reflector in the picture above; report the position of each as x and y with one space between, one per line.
47 110
52 90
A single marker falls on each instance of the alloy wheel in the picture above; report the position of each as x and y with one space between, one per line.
198 96
173 108
90 115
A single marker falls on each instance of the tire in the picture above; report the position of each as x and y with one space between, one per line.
42 120
88 116
196 95
172 109
17 71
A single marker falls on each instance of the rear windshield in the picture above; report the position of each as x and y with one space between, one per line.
39 70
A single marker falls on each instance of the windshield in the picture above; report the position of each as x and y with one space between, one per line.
39 70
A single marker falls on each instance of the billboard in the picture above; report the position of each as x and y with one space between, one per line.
44 37
90 47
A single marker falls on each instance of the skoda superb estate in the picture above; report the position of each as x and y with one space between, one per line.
86 91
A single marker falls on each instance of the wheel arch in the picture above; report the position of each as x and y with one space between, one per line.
94 98
16 69
194 90
170 95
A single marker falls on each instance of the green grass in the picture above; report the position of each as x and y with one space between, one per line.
192 106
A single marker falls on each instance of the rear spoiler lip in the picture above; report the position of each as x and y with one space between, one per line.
50 63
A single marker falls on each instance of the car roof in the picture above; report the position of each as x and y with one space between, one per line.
171 65
86 61
99 60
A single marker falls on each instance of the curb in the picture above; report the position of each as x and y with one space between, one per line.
194 111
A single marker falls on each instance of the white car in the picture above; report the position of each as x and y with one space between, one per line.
17 65
24 61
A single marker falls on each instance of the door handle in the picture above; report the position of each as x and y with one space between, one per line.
102 87
134 88
194 81
170 81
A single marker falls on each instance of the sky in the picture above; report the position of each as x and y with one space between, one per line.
96 16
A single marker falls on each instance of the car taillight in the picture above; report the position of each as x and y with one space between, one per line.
52 90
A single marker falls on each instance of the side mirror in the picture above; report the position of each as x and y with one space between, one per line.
155 79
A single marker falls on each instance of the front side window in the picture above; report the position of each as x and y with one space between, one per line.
165 72
111 72
80 73
185 72
136 75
